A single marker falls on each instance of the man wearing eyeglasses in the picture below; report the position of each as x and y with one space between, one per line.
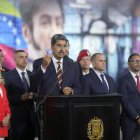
129 88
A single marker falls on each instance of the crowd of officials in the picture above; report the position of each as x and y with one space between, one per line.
56 74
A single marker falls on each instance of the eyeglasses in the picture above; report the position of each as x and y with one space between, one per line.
134 61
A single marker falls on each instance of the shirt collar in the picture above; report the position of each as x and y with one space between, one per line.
84 73
134 74
56 60
98 73
20 71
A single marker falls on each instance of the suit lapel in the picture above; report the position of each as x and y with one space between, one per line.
29 76
17 78
65 68
29 73
98 81
132 81
109 83
52 71
96 77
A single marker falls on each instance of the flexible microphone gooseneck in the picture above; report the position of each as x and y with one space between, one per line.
39 106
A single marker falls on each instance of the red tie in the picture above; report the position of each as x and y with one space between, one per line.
59 74
138 82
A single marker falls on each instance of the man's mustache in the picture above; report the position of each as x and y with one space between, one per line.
61 52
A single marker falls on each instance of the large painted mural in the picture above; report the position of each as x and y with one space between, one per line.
107 26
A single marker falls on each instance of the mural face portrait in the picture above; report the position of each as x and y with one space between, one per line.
45 23
100 26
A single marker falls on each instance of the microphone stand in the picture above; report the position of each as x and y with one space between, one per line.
40 109
41 123
40 105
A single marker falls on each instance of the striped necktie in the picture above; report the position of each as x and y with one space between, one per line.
59 74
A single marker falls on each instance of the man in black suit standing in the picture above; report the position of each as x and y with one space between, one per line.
97 81
52 83
42 62
129 88
17 83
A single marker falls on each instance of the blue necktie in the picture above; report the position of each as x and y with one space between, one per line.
25 81
104 84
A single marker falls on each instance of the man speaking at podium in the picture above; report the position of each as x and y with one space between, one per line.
61 76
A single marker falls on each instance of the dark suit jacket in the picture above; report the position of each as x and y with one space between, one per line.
37 63
91 84
48 83
130 105
130 96
21 111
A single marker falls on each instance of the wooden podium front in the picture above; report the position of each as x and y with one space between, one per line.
93 117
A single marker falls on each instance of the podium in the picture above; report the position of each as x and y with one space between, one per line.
93 117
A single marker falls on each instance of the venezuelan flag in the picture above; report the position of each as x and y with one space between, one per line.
10 31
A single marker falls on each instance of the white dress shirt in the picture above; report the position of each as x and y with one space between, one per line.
26 74
99 76
134 76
